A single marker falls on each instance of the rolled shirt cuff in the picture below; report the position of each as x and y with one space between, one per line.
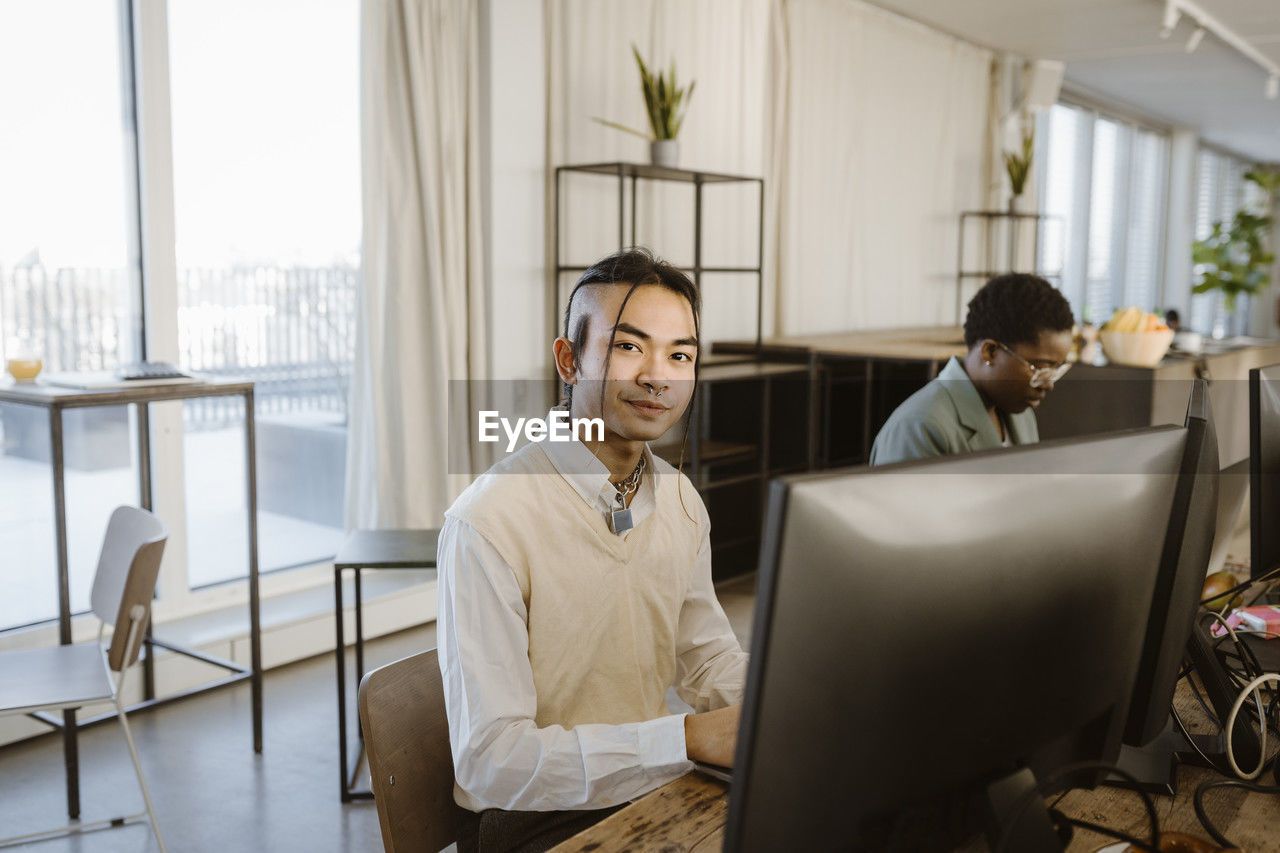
661 744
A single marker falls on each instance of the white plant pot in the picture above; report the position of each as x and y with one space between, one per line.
664 152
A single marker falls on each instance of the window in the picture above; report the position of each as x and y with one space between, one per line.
1103 184
69 282
1221 190
262 130
267 214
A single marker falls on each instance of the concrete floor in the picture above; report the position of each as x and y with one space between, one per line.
211 792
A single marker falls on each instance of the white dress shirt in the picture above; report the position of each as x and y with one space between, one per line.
501 758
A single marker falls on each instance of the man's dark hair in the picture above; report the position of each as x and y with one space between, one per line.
635 267
1015 309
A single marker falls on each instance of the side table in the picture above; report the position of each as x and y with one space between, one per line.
56 400
369 549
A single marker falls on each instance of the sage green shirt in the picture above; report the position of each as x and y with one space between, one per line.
946 416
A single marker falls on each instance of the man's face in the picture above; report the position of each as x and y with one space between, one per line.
650 367
1010 386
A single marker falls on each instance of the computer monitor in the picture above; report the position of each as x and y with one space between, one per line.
1264 469
1150 743
927 629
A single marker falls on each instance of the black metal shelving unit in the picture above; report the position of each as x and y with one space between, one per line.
991 266
628 177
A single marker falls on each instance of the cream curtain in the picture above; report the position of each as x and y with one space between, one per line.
422 313
880 141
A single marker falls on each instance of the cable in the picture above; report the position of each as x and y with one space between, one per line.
1262 738
1231 631
1028 797
1197 800
1213 717
1189 739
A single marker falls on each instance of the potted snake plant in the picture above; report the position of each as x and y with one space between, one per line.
665 103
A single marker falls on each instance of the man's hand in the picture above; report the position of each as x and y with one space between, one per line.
711 737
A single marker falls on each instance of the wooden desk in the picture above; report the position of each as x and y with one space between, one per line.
859 378
689 815
1095 398
923 343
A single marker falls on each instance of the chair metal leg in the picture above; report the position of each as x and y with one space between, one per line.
137 766
71 829
71 758
71 755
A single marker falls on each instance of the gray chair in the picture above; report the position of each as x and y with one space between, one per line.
68 677
406 734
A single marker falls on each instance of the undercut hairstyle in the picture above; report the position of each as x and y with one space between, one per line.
1015 309
635 267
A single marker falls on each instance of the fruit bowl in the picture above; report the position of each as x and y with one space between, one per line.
1136 349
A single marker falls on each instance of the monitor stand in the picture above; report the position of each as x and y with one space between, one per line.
1154 764
1032 830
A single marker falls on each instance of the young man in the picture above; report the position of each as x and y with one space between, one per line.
575 586
1018 332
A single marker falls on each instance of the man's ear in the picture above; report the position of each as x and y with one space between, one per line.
988 349
566 361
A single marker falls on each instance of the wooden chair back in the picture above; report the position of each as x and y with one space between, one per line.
126 578
406 734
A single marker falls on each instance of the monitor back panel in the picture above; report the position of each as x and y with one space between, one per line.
1264 469
922 625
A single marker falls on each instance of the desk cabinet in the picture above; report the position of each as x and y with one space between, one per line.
750 422
1093 398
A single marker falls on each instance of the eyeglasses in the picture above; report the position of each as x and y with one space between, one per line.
1041 377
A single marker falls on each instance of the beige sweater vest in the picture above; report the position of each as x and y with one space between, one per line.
602 610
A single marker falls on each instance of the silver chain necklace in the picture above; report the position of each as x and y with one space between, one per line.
620 518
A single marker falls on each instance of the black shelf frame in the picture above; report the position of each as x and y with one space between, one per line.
633 173
1013 232
725 470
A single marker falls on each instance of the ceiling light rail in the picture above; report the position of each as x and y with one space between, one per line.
1205 22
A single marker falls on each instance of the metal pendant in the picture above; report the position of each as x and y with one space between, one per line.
620 520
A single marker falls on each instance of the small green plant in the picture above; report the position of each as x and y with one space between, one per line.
1018 164
1236 259
664 101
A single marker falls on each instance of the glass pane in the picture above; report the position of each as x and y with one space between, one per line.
1065 159
1220 191
100 474
1145 242
1208 181
267 208
1102 205
68 284
66 277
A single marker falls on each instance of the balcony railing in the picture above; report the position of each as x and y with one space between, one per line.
291 329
